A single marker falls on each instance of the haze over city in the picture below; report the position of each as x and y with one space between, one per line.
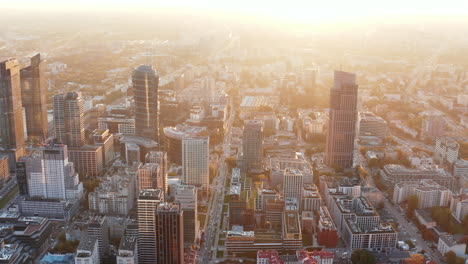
241 131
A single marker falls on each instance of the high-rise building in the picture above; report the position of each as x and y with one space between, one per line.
145 93
34 92
342 124
195 161
252 144
87 159
4 170
169 234
173 137
69 119
293 185
186 196
11 111
148 201
159 158
99 229
102 137
53 176
149 177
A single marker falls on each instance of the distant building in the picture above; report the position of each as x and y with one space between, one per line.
34 98
252 144
145 82
4 170
69 119
309 79
169 234
372 125
12 138
446 151
433 127
459 207
117 125
429 193
343 114
278 165
195 161
87 251
393 174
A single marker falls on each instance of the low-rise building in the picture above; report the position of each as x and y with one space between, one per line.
448 243
429 193
393 174
446 151
459 207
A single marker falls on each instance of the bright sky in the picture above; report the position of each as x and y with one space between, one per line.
303 11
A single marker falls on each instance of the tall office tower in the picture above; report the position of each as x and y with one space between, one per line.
55 176
160 158
28 167
69 119
145 93
99 229
34 92
186 196
148 201
4 170
195 161
169 234
342 124
252 144
149 177
293 185
310 81
11 111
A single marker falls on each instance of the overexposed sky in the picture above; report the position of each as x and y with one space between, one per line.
303 11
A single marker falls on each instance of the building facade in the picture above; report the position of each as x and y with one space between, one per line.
69 119
252 144
195 161
169 234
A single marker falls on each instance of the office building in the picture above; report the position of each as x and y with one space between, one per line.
128 250
87 251
195 161
117 125
34 98
372 125
99 229
278 165
88 159
11 111
159 158
173 138
446 151
4 170
327 234
93 116
429 193
186 197
293 185
342 124
145 93
62 210
105 140
69 119
252 144
380 238
169 234
393 174
148 201
53 176
459 207
433 127
311 199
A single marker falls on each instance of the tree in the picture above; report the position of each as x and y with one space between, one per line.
362 256
413 201
450 257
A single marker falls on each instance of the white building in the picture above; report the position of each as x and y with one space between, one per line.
128 250
195 161
293 184
429 193
87 251
459 207
186 196
446 150
447 243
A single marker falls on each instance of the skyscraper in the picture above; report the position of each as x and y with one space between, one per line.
252 144
34 92
11 111
148 201
169 234
195 161
145 93
53 177
186 196
99 229
69 119
160 158
342 124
